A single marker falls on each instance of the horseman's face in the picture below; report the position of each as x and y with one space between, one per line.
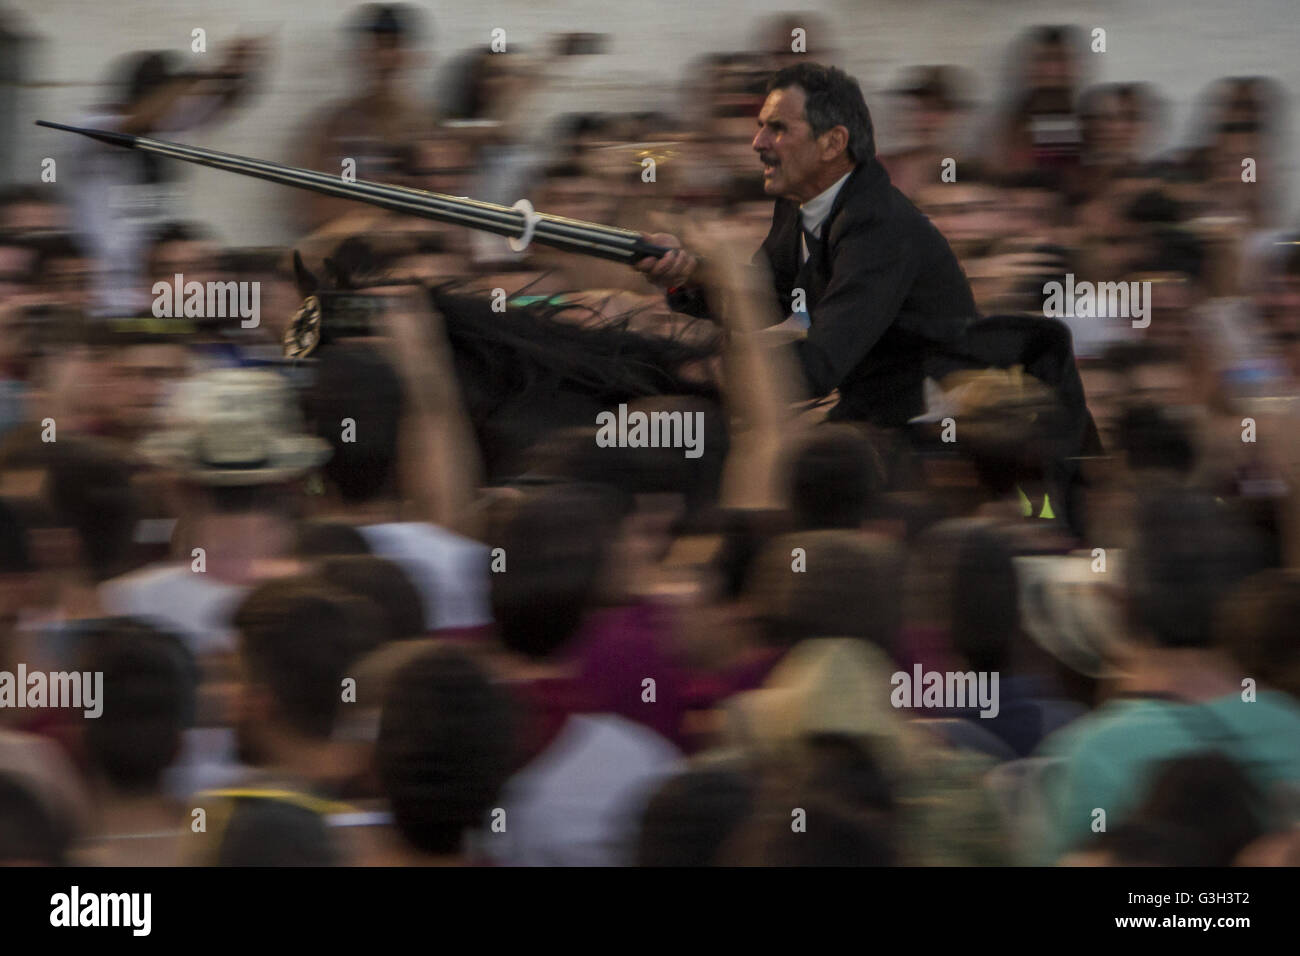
796 164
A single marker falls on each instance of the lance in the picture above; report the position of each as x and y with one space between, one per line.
519 223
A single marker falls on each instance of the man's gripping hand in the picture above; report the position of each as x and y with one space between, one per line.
671 270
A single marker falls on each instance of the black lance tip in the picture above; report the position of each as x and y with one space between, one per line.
103 135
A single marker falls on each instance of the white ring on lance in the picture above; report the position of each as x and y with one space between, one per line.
531 219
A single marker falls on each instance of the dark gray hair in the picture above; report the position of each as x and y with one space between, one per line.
832 98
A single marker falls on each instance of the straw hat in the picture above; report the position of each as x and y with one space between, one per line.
232 427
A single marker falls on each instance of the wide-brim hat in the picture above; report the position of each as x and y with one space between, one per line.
1070 608
233 427
826 686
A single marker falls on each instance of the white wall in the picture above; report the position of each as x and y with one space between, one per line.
1180 45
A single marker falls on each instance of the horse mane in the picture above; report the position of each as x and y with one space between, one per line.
533 369
527 350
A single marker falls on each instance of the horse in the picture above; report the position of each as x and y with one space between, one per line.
529 371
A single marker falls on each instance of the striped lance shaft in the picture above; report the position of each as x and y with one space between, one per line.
520 224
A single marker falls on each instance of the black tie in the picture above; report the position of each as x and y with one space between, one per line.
814 244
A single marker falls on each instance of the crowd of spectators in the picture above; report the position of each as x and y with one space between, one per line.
368 647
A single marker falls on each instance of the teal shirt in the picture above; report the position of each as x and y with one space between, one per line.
1109 757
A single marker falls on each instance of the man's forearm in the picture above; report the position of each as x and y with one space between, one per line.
764 380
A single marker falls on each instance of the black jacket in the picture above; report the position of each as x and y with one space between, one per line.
884 292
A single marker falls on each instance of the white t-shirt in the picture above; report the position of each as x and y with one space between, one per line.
198 607
580 801
450 572
116 213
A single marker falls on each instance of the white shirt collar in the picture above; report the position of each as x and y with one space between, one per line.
815 210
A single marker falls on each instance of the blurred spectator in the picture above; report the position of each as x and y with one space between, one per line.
1240 119
1118 125
18 266
1041 128
66 272
32 210
835 480
691 817
150 686
83 509
120 195
932 102
296 644
579 799
29 833
445 748
1182 695
234 449
1254 624
364 480
787 38
847 805
839 687
852 592
385 585
1201 810
378 126
403 573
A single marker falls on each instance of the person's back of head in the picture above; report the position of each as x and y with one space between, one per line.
1211 797
688 447
355 403
1153 438
836 836
297 640
845 766
556 542
1140 843
150 687
446 747
89 489
1256 625
690 818
835 476
264 831
828 802
829 584
30 831
385 585
1190 551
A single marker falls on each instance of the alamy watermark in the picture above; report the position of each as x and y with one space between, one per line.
211 300
1098 300
951 690
651 430
76 909
35 689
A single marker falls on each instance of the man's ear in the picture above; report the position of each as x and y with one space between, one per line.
833 141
